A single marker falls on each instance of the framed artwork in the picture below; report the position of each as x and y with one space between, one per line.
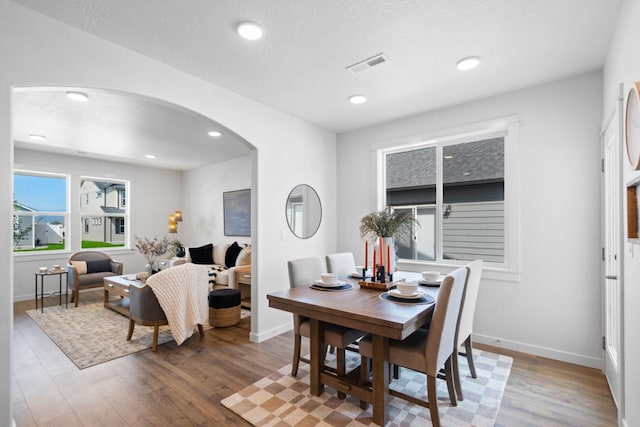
237 212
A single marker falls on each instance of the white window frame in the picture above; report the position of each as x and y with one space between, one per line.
66 214
126 215
507 127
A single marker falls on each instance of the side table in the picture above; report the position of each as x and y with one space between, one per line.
244 278
58 273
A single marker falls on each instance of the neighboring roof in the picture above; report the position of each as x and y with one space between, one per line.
111 210
482 160
104 185
17 206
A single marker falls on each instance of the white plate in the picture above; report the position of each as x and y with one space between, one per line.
396 293
328 285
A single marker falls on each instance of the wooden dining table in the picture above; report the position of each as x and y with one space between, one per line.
364 310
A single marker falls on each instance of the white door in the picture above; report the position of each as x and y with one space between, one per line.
612 283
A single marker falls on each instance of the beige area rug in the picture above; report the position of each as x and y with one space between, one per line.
282 400
91 334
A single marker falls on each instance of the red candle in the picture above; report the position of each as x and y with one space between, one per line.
381 247
374 262
366 254
388 259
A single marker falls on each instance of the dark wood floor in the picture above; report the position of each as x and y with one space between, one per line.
183 386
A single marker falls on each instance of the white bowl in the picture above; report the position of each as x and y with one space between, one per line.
407 288
329 278
430 276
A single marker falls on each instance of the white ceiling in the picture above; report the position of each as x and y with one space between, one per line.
299 66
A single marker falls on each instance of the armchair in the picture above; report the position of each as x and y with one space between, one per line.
87 269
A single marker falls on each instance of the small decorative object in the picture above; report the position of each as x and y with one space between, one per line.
152 250
178 248
42 269
381 227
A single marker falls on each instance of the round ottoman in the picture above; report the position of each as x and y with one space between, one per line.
224 307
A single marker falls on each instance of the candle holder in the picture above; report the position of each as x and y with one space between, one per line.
381 275
364 273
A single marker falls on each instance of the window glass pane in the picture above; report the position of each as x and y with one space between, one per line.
102 213
473 201
426 233
39 233
411 177
40 193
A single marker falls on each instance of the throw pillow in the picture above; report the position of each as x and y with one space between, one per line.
98 265
80 266
244 257
202 254
232 254
219 252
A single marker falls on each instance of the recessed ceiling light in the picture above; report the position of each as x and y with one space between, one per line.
150 156
468 63
448 157
214 133
77 96
357 99
38 137
249 30
466 173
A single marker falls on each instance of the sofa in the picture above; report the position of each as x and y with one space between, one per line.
87 269
225 262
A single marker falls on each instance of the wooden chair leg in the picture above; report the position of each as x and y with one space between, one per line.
76 293
341 368
156 328
396 372
449 377
456 374
297 342
201 330
433 400
132 325
469 350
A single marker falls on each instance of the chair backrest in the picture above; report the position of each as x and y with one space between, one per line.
470 297
87 256
444 322
304 271
341 263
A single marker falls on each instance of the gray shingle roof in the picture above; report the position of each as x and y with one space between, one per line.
482 160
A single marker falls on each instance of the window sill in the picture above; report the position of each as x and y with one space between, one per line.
488 272
56 255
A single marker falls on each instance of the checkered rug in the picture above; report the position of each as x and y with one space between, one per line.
282 400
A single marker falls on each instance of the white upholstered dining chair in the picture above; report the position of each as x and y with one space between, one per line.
341 263
302 272
428 351
465 328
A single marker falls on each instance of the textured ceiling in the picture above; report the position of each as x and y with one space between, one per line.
299 67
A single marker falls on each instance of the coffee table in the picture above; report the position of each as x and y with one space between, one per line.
119 285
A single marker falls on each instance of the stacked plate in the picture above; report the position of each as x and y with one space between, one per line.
397 294
322 284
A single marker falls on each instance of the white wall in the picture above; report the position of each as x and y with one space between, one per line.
202 201
623 66
39 51
554 310
154 194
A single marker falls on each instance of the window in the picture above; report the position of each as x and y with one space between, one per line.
39 211
455 188
104 215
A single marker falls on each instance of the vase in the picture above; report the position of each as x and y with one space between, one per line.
180 252
151 266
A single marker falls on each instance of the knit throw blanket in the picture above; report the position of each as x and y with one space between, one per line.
182 294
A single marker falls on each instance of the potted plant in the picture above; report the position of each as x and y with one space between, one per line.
152 249
178 248
383 226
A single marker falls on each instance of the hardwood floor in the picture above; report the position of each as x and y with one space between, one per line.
183 386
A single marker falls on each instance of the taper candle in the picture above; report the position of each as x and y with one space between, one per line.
366 254
381 255
388 259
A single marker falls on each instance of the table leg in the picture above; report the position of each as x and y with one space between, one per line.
317 357
60 289
380 385
36 292
66 290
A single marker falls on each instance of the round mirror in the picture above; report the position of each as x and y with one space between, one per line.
304 211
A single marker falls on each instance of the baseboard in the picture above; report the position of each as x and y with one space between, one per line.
550 353
624 423
261 337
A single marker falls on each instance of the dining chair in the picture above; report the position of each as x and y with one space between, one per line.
302 272
465 327
341 263
428 351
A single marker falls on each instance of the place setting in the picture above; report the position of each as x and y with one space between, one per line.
431 279
330 282
407 293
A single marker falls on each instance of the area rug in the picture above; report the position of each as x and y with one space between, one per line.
91 334
282 400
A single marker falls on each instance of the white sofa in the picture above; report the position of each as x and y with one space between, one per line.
224 265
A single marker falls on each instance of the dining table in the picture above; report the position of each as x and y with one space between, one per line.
363 309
